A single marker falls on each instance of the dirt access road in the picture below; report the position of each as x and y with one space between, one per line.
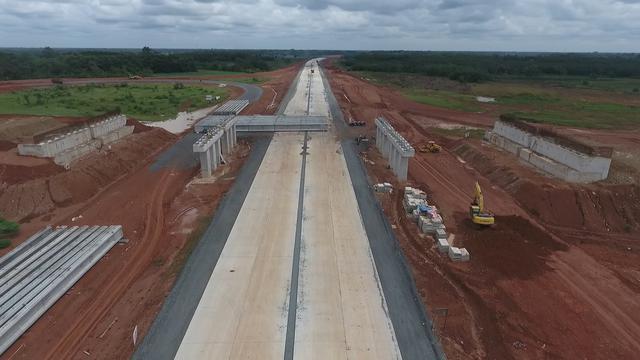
541 284
161 213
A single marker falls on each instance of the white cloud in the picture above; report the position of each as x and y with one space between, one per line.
553 25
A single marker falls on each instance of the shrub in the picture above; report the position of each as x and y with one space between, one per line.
8 227
5 243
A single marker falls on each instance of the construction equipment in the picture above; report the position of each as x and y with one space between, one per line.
135 77
477 212
430 147
353 122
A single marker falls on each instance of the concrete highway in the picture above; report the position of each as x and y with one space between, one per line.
295 276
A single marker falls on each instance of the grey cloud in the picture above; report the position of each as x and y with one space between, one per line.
586 25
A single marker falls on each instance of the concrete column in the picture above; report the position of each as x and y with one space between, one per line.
227 134
211 159
217 151
205 164
214 153
403 168
388 147
224 140
234 136
395 155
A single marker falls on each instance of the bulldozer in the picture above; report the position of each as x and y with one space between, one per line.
477 212
430 147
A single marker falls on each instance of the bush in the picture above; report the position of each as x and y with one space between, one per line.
178 86
5 243
8 228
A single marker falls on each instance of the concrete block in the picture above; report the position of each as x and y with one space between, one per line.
443 246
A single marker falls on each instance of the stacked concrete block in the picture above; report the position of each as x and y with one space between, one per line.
557 160
395 148
443 246
458 254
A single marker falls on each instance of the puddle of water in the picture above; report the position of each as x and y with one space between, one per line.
485 99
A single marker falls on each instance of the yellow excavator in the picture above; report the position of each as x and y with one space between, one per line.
477 212
430 147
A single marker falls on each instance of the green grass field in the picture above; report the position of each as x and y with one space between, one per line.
143 102
585 103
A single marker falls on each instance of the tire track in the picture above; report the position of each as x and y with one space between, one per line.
112 292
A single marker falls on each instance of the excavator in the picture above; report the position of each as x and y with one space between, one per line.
477 212
430 147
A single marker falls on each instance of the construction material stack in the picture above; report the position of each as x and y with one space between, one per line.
430 222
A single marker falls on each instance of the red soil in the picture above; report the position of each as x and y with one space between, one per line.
545 282
162 217
274 90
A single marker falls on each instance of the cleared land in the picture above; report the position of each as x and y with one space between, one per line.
576 102
143 102
556 277
143 183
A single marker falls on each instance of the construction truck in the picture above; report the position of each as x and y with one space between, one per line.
477 212
430 147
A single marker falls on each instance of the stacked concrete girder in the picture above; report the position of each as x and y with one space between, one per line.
209 148
43 268
395 148
231 107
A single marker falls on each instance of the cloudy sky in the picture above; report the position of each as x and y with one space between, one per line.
519 25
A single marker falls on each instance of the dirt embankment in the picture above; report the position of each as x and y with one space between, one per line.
557 277
599 208
28 192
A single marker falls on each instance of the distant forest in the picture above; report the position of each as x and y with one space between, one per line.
478 67
54 63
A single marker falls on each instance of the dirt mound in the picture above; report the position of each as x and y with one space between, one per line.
513 248
138 127
25 200
601 208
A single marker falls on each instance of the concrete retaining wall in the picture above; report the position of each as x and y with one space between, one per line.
66 157
115 135
543 153
71 146
106 126
62 143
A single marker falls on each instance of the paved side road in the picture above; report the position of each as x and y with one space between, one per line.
166 333
410 321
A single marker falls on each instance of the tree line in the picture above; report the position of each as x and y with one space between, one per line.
56 63
478 67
